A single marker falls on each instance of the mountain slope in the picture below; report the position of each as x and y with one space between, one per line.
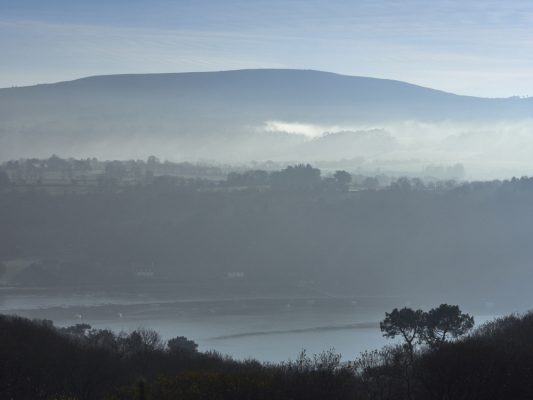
200 113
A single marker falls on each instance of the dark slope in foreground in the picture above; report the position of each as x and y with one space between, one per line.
39 361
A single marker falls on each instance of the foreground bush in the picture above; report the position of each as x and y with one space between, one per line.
39 361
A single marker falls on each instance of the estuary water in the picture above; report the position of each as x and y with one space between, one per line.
266 328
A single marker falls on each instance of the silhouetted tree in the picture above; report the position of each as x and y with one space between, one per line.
445 321
409 325
56 163
406 323
248 178
182 344
433 327
76 330
343 179
142 341
298 177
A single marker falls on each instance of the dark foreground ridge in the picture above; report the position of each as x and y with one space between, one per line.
40 361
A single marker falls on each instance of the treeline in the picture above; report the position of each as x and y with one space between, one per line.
114 175
301 177
91 171
40 361
93 174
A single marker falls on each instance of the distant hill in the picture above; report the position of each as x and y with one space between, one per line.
217 115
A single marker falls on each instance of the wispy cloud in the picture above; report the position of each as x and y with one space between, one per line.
467 47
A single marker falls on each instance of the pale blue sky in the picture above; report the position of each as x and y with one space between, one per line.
471 47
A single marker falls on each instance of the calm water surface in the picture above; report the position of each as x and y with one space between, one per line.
265 328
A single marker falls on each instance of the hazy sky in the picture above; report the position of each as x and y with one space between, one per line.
471 47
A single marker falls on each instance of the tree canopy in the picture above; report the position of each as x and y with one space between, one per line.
406 322
432 328
445 321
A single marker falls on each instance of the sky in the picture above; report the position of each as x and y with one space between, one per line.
479 48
